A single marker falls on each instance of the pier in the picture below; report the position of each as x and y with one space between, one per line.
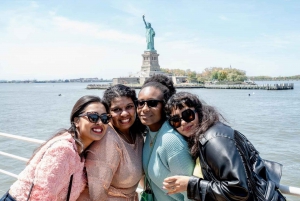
138 86
282 86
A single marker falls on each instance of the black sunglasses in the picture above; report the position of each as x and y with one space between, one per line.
94 117
187 115
150 103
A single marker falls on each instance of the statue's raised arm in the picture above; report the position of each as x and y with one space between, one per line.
144 20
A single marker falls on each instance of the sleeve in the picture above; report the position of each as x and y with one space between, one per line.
227 167
180 161
53 172
102 162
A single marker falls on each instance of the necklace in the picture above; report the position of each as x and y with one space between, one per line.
127 140
152 140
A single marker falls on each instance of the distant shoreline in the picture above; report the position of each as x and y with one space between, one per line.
53 82
282 86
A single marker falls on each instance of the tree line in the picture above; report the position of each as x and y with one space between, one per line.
210 74
222 75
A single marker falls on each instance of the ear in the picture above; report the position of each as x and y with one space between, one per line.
76 121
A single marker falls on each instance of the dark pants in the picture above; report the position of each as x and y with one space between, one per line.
7 197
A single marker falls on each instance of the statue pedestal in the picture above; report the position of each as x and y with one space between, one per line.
149 68
150 64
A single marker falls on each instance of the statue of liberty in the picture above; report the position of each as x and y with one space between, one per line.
149 35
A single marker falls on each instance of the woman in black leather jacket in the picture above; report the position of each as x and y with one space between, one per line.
223 174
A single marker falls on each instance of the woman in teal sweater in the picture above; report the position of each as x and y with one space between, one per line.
165 151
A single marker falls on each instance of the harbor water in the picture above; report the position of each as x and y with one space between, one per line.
270 119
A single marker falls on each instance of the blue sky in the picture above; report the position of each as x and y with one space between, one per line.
62 39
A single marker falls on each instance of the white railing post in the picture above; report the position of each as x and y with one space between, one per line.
22 138
289 190
8 173
13 156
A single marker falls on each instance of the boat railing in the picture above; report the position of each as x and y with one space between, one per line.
289 190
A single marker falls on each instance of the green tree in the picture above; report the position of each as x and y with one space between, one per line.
222 75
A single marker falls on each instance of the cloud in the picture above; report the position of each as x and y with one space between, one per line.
54 46
94 30
43 44
129 8
224 18
187 54
34 4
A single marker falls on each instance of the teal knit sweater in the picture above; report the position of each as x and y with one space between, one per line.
170 156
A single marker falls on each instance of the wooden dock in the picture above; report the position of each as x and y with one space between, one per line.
283 86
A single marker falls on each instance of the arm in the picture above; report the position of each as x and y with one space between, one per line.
182 164
144 21
53 172
101 164
227 167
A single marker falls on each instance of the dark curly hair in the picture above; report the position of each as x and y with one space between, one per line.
164 84
121 90
164 80
207 116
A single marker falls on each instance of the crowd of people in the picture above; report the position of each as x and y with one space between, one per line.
173 144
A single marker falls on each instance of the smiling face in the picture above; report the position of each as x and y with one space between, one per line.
88 132
186 128
123 113
151 116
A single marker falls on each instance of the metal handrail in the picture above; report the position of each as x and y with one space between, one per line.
22 138
290 190
13 156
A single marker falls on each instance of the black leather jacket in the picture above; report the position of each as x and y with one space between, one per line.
223 170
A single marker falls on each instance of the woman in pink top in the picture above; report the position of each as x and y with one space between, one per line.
114 164
56 170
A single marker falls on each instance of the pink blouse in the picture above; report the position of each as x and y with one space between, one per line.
51 172
114 168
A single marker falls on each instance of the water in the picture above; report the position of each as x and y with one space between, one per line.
270 119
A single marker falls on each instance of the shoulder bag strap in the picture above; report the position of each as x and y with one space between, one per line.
145 184
70 188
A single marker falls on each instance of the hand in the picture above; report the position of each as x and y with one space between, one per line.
176 184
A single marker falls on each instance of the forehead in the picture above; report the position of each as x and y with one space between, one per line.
150 93
120 101
95 107
176 110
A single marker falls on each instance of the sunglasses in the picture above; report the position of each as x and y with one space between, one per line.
150 103
187 115
94 117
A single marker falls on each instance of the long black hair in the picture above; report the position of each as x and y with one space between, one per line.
78 109
121 90
207 116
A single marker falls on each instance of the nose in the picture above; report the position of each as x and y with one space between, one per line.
99 121
145 108
183 123
124 113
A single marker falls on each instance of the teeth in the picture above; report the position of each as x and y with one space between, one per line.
97 130
125 120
